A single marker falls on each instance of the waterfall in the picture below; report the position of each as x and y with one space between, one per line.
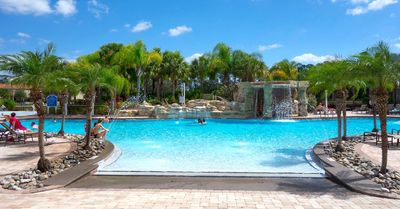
281 101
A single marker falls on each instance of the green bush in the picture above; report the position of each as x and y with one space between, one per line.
76 110
5 94
20 96
9 104
194 94
101 110
153 101
227 91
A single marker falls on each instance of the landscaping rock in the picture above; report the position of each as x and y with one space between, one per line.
34 178
390 181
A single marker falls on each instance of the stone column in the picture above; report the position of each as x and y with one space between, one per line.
302 93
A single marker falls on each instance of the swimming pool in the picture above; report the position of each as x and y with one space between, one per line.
220 145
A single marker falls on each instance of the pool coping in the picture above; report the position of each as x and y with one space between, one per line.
348 177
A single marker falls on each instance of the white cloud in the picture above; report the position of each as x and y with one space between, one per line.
66 7
97 9
397 45
179 30
193 57
113 30
23 35
127 25
365 6
313 59
35 7
42 41
142 26
38 7
262 48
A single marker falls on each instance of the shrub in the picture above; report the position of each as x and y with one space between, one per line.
5 94
194 94
227 91
20 96
9 104
101 110
153 101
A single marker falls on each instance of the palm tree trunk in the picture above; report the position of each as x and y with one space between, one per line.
113 101
173 88
374 114
344 107
145 88
381 102
158 88
138 74
37 97
63 101
90 98
339 108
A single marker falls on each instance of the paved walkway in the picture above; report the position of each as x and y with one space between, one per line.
18 157
374 153
196 193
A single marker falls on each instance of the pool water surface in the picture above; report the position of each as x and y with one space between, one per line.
221 145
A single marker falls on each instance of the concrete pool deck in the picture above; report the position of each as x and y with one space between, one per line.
196 193
16 157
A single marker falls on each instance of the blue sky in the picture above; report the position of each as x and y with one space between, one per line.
307 31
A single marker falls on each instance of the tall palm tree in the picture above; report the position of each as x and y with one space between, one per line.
288 67
135 56
200 69
152 69
376 65
222 61
62 83
176 68
248 67
33 70
117 83
89 77
335 79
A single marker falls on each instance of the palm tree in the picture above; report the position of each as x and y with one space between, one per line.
176 68
89 77
200 69
335 79
33 70
222 61
289 68
117 83
135 56
248 67
152 69
376 65
62 83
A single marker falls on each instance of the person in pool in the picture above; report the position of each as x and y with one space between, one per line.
98 131
106 119
34 126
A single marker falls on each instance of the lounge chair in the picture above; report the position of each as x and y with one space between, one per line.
4 135
362 109
378 137
18 137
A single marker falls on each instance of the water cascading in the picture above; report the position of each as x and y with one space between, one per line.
281 101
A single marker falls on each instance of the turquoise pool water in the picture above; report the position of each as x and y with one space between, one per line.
220 145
